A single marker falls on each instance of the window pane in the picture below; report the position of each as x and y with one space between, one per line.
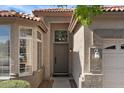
25 56
25 63
122 46
25 32
4 50
111 47
38 35
39 55
61 36
25 45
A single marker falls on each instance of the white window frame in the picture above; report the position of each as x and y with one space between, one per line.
3 77
60 42
41 41
25 73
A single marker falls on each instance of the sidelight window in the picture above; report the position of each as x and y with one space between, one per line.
25 51
39 50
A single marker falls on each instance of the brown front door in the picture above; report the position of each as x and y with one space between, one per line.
60 58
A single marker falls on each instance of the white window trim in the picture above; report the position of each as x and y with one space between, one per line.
8 77
60 42
37 40
25 73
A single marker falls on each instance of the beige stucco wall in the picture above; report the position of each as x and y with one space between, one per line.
108 21
88 39
97 40
46 56
91 40
34 79
78 53
83 39
56 19
37 75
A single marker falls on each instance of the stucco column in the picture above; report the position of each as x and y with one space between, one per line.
46 54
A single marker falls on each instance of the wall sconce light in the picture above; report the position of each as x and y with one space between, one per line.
96 53
70 50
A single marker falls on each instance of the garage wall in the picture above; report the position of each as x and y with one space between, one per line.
108 21
91 79
83 40
97 40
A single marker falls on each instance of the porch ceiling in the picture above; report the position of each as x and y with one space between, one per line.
110 33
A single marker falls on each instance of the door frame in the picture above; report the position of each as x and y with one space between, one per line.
54 56
54 43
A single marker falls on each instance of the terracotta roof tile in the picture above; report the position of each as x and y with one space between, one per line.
6 13
54 10
104 8
113 8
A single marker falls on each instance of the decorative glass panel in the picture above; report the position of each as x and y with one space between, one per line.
4 50
111 47
61 36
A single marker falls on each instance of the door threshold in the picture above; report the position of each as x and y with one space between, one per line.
60 74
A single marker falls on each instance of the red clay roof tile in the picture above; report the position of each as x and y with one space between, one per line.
104 8
54 10
113 8
6 13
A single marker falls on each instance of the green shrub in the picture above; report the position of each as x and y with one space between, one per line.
14 84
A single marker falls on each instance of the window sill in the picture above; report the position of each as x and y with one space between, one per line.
60 42
4 78
25 74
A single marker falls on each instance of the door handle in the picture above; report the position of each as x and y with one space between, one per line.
55 60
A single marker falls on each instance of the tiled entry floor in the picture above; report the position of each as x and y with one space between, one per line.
58 82
61 82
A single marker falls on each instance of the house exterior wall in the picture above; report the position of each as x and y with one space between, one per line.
83 40
92 67
108 21
88 43
59 22
78 54
57 19
38 75
46 56
90 39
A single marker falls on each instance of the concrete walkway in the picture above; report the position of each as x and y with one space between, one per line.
61 82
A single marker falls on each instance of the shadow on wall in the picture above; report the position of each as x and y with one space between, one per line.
77 67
